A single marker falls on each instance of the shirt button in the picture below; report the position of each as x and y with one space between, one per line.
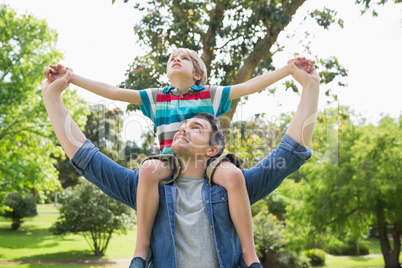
223 198
181 97
207 201
219 251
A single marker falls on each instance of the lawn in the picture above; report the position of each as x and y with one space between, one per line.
33 242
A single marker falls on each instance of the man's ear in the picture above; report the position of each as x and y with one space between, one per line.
212 151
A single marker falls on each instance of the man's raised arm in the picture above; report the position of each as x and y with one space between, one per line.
67 131
301 127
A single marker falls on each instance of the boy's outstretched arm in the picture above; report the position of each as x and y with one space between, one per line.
99 88
263 81
67 131
301 127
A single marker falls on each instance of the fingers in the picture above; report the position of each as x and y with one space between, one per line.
48 74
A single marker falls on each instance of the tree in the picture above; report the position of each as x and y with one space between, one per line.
27 45
236 40
20 208
103 127
362 190
87 211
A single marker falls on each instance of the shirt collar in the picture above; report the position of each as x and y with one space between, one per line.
195 87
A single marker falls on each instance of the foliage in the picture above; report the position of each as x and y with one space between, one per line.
85 210
269 233
270 241
34 243
360 191
316 256
236 40
349 247
20 208
103 127
27 141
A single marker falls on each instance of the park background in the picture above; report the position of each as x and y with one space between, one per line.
97 40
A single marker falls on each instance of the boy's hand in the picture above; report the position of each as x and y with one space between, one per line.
303 64
56 71
56 86
303 77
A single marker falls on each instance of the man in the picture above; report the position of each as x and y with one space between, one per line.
192 226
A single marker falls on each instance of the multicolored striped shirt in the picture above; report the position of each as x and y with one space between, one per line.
168 108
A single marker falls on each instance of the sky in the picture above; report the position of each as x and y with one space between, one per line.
98 42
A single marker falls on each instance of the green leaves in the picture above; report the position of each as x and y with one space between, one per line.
87 211
21 207
361 190
27 141
326 17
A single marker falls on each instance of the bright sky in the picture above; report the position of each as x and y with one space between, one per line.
97 41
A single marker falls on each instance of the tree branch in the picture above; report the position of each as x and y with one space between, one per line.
261 50
345 215
209 39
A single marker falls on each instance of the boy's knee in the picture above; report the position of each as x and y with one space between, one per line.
155 170
228 176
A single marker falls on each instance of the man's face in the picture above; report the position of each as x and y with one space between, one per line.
192 138
182 66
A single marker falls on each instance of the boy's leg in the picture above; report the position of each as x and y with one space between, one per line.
151 173
231 178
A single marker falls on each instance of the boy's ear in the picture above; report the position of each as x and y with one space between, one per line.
212 151
197 76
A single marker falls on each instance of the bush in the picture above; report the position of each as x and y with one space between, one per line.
268 234
270 243
288 259
316 256
349 248
87 211
20 208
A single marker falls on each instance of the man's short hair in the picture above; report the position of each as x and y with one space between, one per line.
217 137
199 65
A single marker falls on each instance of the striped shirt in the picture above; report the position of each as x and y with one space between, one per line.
168 108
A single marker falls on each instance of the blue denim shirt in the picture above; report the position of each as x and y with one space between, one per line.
121 184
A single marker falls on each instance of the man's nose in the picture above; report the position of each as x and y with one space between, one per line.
183 130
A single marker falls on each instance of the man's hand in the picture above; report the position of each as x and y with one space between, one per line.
57 85
56 71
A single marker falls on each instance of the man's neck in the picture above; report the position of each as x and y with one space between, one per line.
193 169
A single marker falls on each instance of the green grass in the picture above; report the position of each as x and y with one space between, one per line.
33 242
374 245
334 262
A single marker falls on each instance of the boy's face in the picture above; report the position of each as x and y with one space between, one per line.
180 66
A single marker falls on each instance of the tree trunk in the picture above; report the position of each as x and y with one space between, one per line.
391 257
16 223
394 255
270 261
209 40
261 50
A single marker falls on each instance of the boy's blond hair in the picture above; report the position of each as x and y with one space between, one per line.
199 65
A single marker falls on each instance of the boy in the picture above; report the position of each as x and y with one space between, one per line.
167 108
